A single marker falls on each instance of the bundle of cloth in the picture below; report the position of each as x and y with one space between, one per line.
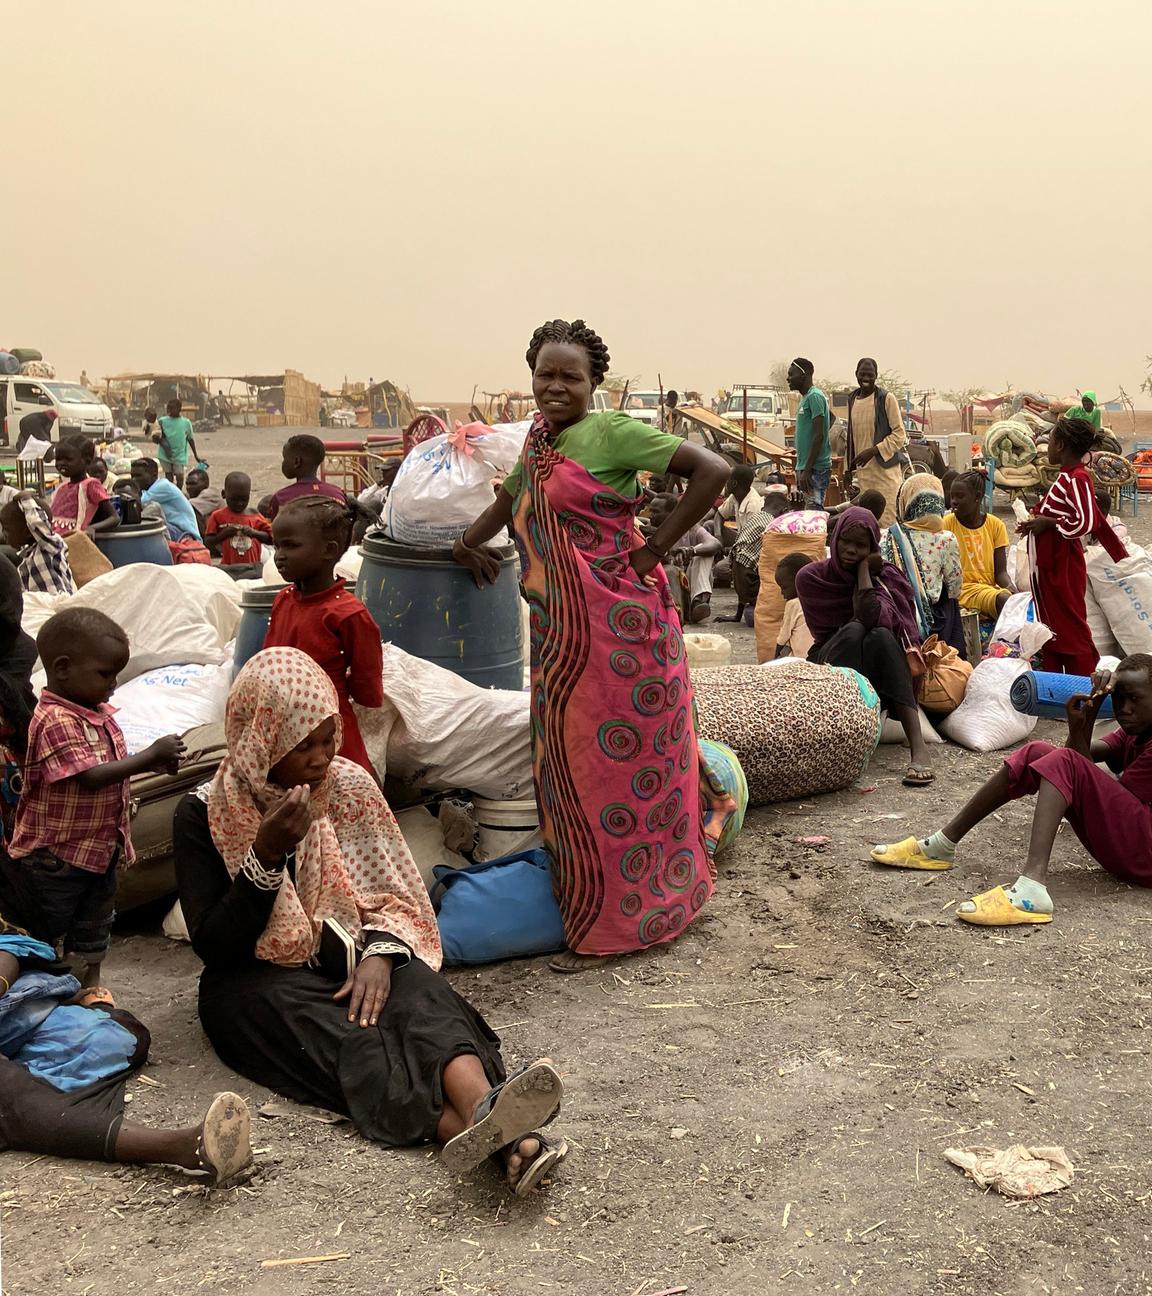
1010 443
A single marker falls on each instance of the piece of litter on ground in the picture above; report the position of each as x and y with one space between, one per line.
305 1260
1018 1171
677 1133
1024 1089
273 1110
865 791
787 1212
812 841
147 1080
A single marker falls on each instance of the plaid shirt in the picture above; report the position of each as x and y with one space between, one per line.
55 813
750 539
44 566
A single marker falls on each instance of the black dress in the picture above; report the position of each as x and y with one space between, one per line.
873 650
280 1027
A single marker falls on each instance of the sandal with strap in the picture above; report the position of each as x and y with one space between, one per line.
995 909
508 1112
225 1143
907 854
551 1153
918 776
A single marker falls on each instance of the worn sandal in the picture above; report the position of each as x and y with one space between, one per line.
907 854
94 997
918 776
995 909
550 1155
510 1111
225 1143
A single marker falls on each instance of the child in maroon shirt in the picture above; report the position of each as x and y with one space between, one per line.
234 533
318 615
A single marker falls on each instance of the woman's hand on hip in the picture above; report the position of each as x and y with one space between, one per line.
369 987
284 826
644 561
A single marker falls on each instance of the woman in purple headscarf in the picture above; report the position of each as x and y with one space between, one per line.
861 613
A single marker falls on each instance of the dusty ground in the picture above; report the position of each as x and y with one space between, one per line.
759 1107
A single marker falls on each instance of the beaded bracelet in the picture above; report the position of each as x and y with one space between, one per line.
263 879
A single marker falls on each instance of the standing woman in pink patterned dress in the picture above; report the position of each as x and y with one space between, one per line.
629 818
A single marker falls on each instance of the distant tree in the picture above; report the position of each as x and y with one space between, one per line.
617 382
961 397
1146 385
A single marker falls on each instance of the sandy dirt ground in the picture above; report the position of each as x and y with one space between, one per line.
761 1106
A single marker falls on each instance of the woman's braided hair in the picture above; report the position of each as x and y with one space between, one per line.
578 334
1077 434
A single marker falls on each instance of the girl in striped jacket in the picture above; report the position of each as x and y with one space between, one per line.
1066 515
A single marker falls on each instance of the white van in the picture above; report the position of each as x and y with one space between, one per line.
77 409
767 406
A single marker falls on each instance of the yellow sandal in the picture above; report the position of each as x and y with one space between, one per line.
995 909
907 854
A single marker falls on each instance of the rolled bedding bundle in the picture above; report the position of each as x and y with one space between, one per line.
1043 693
796 728
1010 443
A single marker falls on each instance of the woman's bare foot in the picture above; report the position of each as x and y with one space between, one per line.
570 961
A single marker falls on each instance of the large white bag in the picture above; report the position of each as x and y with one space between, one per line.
986 720
173 699
438 731
1124 592
1102 636
445 483
166 625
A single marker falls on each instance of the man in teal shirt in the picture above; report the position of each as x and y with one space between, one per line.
813 448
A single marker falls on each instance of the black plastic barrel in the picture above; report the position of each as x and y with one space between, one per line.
429 606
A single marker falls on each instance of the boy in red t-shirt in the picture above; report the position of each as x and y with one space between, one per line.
234 533
317 614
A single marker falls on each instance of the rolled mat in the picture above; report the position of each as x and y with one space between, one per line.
9 364
1042 693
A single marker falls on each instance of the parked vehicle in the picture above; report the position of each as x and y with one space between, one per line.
767 406
644 406
77 409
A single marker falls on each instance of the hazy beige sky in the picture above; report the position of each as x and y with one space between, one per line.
963 190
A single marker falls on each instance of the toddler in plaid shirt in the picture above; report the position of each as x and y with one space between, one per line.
71 827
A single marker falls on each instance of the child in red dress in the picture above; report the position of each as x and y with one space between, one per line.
1066 515
318 615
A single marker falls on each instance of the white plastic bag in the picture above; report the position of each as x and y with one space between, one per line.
892 731
1123 591
986 720
445 483
1102 635
424 837
1018 626
166 625
438 731
172 699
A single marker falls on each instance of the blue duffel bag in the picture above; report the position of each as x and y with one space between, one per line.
501 909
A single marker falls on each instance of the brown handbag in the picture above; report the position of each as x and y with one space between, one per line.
946 676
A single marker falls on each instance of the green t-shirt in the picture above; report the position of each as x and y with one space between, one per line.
814 404
613 448
176 432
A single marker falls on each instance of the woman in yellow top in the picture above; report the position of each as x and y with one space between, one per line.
983 541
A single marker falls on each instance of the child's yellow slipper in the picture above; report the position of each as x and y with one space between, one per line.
907 854
995 909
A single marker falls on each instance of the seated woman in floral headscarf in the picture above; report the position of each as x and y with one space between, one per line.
928 554
288 841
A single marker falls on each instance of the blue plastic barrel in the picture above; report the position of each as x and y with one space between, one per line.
255 609
429 606
136 542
